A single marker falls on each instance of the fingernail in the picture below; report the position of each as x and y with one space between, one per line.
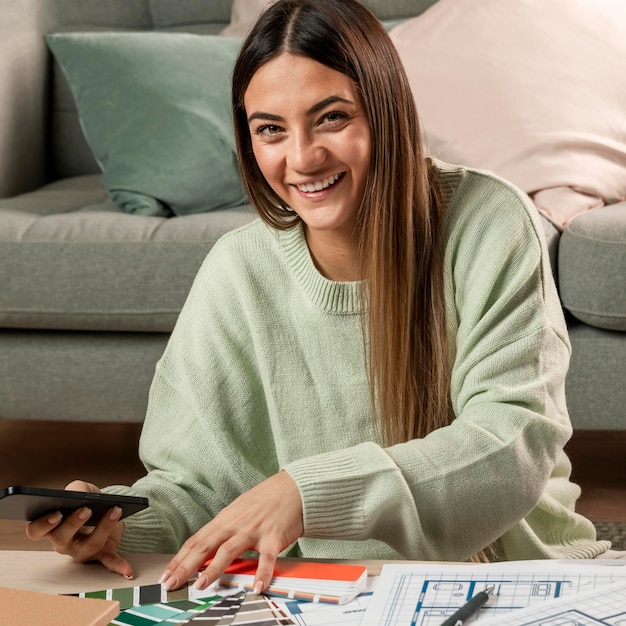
258 586
166 574
170 583
129 577
115 513
84 513
55 517
200 583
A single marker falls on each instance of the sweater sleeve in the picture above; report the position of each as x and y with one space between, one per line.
198 457
454 492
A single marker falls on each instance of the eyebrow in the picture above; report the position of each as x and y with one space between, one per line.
316 108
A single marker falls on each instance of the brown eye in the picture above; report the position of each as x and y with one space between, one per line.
268 131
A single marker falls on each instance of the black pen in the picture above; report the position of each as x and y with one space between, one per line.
458 618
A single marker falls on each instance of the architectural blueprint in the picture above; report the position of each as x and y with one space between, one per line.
425 594
601 607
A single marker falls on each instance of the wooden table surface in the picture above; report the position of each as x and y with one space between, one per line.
48 571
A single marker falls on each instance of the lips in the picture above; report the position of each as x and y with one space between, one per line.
319 185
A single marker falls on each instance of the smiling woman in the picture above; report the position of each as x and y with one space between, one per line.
314 151
375 368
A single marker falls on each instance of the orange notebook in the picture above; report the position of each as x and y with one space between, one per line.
19 608
335 583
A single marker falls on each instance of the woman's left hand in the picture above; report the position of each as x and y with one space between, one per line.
267 518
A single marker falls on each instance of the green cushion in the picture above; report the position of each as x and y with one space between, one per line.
155 110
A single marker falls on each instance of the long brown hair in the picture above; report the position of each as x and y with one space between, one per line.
399 226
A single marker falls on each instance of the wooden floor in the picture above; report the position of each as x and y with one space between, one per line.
51 454
599 467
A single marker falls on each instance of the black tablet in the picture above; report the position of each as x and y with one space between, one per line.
29 503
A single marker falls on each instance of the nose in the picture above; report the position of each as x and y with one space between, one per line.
306 152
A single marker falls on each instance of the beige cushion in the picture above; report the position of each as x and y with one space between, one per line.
243 15
532 90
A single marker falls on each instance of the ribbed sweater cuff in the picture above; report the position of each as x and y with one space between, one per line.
333 487
331 491
143 531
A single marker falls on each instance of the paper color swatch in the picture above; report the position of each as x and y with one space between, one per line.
316 582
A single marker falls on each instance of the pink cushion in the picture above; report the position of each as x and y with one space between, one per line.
533 90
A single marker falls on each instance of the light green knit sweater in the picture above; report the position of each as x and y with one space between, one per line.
265 371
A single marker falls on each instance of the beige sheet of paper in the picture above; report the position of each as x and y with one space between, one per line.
19 607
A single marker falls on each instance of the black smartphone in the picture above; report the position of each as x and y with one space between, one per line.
30 503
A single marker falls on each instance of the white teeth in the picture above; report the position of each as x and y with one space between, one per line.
319 185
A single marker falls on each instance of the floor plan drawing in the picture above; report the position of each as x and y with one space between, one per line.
426 595
603 607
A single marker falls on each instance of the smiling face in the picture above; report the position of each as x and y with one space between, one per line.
311 140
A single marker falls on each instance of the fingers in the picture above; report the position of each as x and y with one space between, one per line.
224 557
229 551
81 485
64 535
70 536
188 561
267 518
264 571
86 544
112 560
97 543
50 526
39 528
101 543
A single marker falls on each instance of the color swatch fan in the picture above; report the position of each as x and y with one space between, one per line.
316 582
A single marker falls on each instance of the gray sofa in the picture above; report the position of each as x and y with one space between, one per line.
89 294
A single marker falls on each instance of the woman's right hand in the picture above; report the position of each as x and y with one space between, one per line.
70 536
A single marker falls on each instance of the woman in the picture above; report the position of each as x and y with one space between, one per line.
375 369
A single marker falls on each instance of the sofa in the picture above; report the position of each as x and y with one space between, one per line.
91 290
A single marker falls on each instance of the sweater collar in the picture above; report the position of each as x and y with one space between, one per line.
330 296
